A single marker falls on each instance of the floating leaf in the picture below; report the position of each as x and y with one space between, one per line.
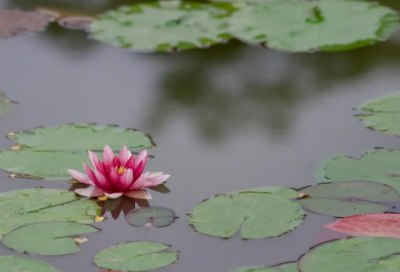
6 106
301 26
151 217
164 25
379 166
47 238
16 264
27 206
255 269
353 255
372 225
81 137
347 198
384 113
135 256
15 22
288 267
256 215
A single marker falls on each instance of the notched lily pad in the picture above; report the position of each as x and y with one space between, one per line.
326 25
353 255
255 215
6 105
288 267
164 26
15 23
28 206
384 113
135 256
255 269
151 217
47 238
13 264
379 165
341 199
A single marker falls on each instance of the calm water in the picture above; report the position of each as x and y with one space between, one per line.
226 118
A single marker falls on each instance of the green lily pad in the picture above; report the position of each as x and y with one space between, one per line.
135 256
353 255
157 217
288 267
164 25
81 137
42 165
302 26
276 190
27 206
346 198
384 113
255 269
256 215
47 238
379 165
16 264
6 106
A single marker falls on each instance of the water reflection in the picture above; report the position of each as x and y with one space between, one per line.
122 204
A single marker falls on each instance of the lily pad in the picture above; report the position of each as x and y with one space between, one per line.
47 238
135 256
353 255
13 264
302 26
288 267
151 217
6 106
255 215
15 22
255 269
81 137
379 165
370 225
164 25
341 199
27 206
384 113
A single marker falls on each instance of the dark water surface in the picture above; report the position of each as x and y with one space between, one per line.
225 118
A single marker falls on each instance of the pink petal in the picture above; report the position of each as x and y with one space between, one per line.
116 162
90 173
108 156
154 174
131 163
124 155
142 157
140 194
113 195
102 182
126 180
139 183
113 175
80 177
90 191
151 182
97 164
109 152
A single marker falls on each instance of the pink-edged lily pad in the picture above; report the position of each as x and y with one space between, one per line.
15 22
369 225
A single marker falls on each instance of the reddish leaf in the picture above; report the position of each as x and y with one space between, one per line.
373 225
14 23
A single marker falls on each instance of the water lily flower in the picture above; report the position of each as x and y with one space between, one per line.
117 176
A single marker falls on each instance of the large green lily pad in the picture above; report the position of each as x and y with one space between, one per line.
384 113
135 256
47 238
27 206
17 264
346 198
256 215
288 267
6 106
81 137
255 269
327 25
164 25
353 255
379 165
42 165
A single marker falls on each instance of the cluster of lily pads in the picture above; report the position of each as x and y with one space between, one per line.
286 25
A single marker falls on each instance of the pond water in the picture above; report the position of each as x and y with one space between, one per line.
226 118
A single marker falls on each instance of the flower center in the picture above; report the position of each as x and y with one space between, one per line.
120 169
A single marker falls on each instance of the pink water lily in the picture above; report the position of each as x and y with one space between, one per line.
117 176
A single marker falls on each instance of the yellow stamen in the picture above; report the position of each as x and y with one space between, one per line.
121 169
